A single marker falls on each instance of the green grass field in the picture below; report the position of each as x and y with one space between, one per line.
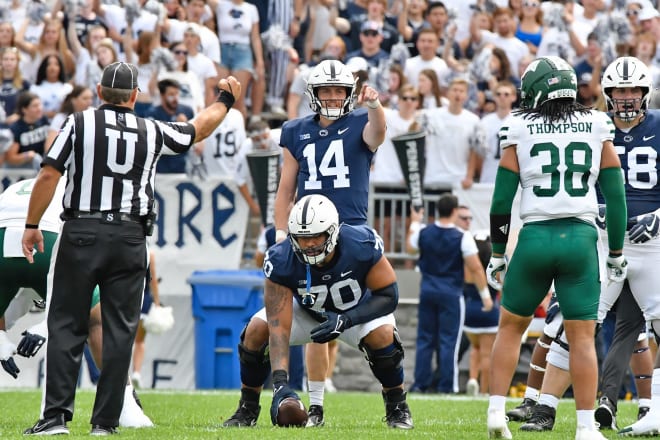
199 415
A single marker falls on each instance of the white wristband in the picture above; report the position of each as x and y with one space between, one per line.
373 104
280 235
484 293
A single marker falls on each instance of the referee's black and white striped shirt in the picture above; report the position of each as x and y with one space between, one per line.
110 155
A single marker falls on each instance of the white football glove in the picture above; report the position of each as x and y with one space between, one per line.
496 265
646 228
158 320
617 268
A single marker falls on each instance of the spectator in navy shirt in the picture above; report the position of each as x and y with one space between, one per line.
170 110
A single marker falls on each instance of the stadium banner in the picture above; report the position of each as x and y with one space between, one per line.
410 149
201 225
265 172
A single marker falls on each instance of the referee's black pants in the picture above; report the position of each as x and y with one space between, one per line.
88 253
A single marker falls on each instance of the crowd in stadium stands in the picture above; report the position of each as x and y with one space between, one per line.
441 66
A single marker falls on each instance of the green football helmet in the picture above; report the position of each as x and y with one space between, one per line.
545 79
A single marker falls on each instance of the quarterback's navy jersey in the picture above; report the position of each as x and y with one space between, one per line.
334 162
337 287
639 152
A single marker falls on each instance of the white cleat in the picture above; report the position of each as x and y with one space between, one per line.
132 415
472 387
497 427
646 426
588 433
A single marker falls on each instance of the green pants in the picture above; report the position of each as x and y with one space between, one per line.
563 251
17 272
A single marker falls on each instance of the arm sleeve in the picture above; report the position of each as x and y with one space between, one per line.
379 303
506 185
616 215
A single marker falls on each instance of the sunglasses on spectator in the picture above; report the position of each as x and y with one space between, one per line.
409 98
370 33
530 4
181 52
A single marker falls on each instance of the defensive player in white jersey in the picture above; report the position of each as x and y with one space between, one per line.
221 152
556 150
16 273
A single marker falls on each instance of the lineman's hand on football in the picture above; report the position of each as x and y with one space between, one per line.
496 266
617 268
646 228
281 390
331 328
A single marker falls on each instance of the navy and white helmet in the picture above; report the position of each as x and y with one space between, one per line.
331 73
311 216
627 72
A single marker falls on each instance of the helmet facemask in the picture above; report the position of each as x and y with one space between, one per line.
627 109
315 255
328 108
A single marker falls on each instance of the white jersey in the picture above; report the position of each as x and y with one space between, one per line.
559 164
448 144
222 148
235 21
492 124
14 203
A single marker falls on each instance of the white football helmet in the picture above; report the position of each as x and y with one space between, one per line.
331 73
311 216
626 72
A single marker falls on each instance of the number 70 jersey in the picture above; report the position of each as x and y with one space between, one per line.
334 161
559 164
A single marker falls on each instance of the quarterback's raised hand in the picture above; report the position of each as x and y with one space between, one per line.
646 228
617 268
496 265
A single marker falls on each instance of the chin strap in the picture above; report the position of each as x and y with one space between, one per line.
308 298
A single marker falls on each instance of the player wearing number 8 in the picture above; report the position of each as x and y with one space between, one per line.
557 170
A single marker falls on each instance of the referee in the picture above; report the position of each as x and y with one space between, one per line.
110 156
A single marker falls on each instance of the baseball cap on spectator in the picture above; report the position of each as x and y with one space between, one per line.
371 25
120 75
647 13
585 79
193 28
356 64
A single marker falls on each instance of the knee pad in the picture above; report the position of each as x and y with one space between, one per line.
386 363
255 364
558 355
553 325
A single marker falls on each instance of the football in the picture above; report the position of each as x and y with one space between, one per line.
291 413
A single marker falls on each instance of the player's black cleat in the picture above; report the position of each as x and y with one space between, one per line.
55 425
315 416
397 412
245 416
522 412
605 414
542 419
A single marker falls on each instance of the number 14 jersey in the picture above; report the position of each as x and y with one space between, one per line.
559 164
334 161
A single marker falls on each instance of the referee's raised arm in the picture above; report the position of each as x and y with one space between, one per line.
208 119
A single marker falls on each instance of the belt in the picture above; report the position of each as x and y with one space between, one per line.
107 216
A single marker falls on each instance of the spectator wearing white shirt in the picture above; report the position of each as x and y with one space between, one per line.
200 64
427 46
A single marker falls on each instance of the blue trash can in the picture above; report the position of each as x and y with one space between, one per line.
222 303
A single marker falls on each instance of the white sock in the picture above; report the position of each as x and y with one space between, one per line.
585 417
496 403
531 393
316 392
548 399
655 391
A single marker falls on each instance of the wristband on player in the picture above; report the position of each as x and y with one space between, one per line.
373 104
31 226
484 293
226 98
280 235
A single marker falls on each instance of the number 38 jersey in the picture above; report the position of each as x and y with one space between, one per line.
337 287
638 150
334 161
559 164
